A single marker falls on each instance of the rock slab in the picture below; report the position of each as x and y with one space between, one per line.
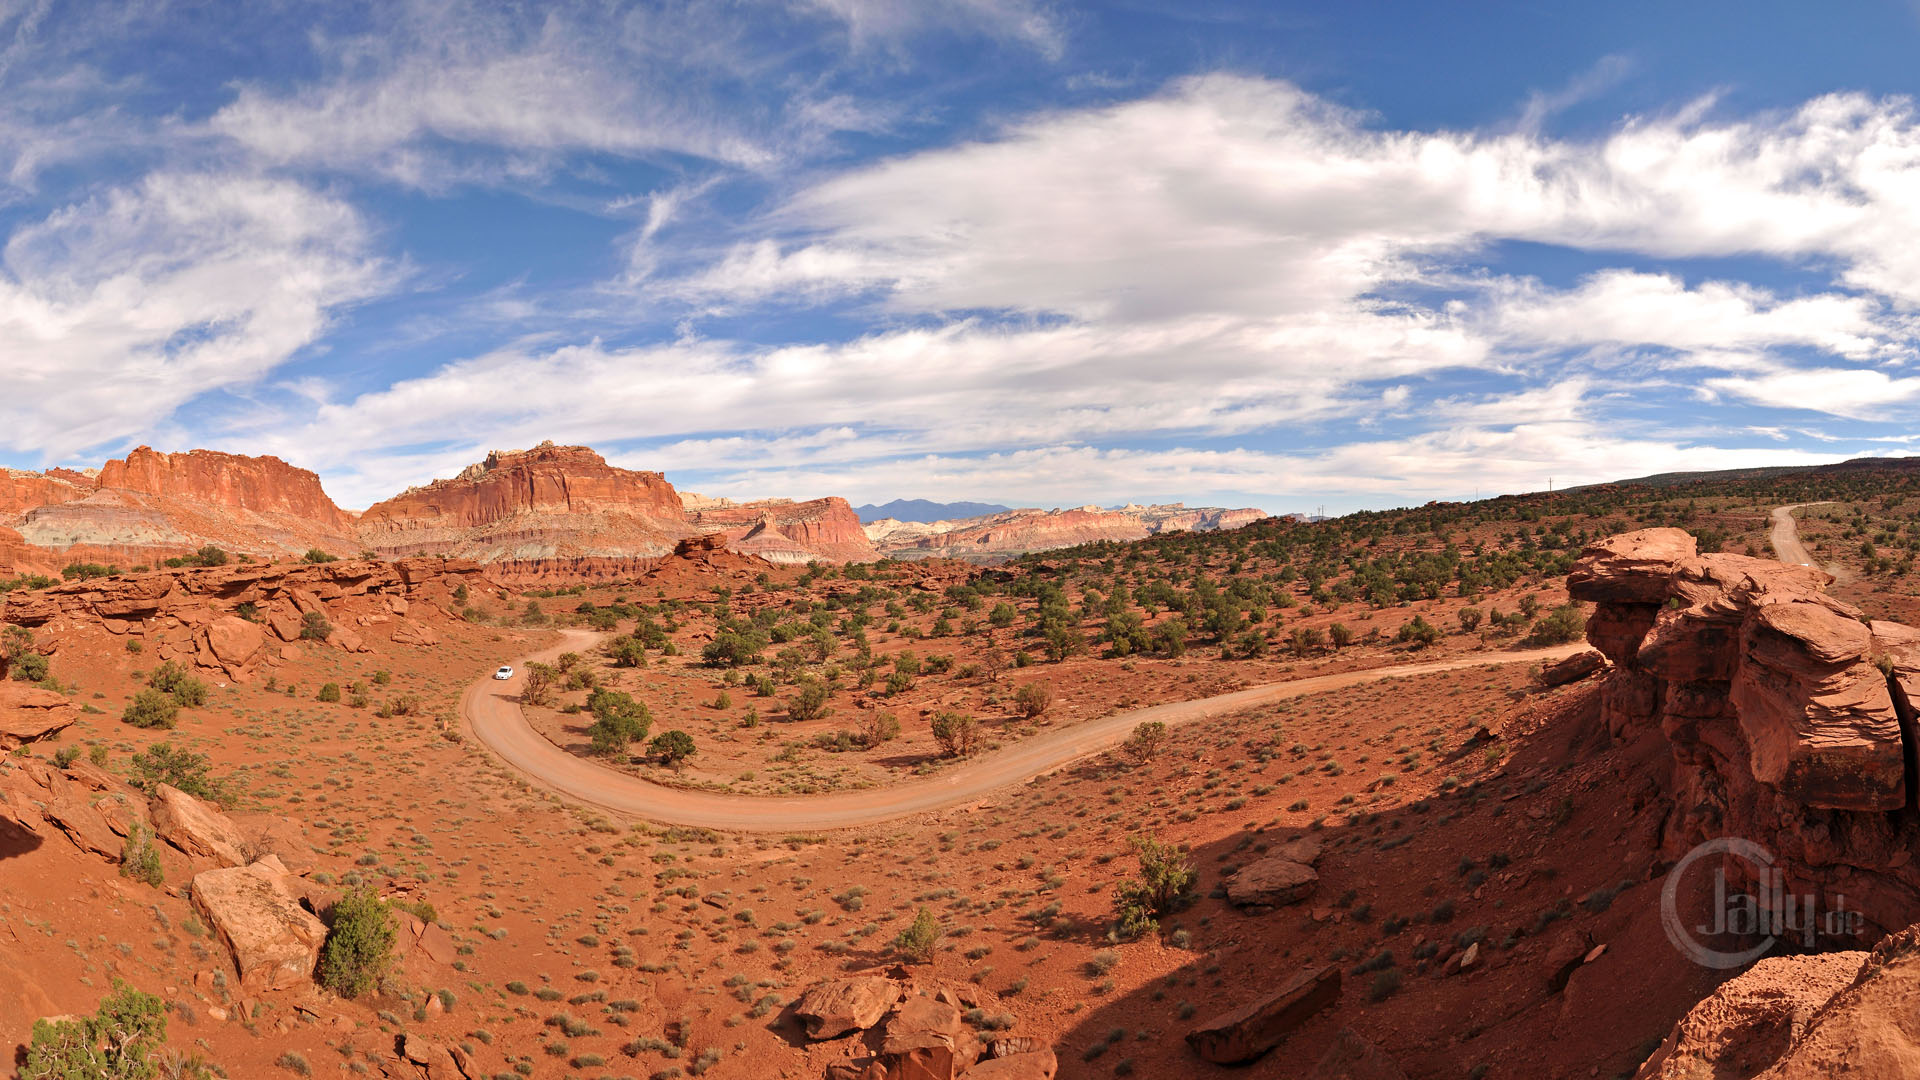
1254 1028
275 943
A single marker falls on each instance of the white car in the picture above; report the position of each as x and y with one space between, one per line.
504 673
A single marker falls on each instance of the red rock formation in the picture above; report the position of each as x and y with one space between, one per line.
153 506
551 502
23 491
1789 715
1018 532
189 614
824 530
1804 1018
265 485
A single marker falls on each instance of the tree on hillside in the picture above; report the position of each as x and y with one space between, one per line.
672 747
956 733
618 721
15 642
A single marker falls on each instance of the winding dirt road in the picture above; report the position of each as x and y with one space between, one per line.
492 713
1787 546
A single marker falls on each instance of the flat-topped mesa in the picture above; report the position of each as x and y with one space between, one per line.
264 485
545 479
550 502
1789 714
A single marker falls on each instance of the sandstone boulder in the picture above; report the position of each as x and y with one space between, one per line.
347 641
834 1008
1573 668
1272 882
275 943
29 714
925 1039
440 1062
284 622
74 814
196 828
1631 568
233 642
1251 1030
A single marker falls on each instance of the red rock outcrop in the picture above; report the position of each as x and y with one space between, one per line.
151 506
1805 1018
551 502
23 491
194 614
264 485
824 530
1788 714
1018 532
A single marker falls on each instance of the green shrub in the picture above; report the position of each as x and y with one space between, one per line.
171 678
918 941
1560 626
315 555
672 747
1163 886
957 733
31 668
329 692
183 769
810 703
1033 699
619 721
315 627
115 1043
139 859
152 709
1145 742
359 947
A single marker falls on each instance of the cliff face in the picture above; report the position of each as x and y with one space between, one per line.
23 491
264 485
1789 715
826 530
1018 532
551 502
151 506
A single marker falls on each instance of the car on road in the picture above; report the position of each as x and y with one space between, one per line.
505 673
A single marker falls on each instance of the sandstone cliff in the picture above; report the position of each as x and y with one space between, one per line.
779 531
551 502
1017 532
1790 717
151 506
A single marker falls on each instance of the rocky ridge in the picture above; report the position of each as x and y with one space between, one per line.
1017 532
228 618
1790 716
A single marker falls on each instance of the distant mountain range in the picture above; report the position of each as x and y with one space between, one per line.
925 510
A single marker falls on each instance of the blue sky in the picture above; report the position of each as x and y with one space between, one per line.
1281 255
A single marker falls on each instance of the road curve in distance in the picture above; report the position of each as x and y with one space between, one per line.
491 711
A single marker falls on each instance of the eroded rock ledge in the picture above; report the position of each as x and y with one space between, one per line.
1789 714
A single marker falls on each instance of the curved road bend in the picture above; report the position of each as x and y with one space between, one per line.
492 712
1787 546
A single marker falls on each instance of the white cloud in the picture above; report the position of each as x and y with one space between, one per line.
1448 464
454 74
1624 307
116 311
1854 393
890 21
